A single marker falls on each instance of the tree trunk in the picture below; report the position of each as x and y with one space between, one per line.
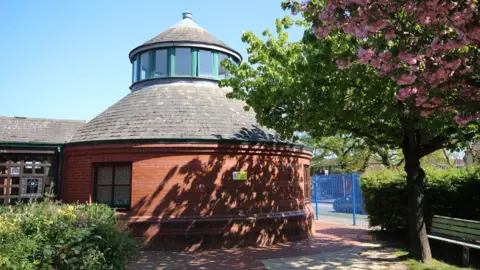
419 246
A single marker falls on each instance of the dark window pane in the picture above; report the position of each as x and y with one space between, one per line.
205 61
121 196
144 64
104 175
160 63
183 62
32 186
104 195
122 175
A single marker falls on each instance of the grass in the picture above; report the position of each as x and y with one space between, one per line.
433 265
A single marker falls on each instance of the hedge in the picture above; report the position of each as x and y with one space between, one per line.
51 235
453 192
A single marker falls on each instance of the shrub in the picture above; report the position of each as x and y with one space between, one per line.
51 235
451 192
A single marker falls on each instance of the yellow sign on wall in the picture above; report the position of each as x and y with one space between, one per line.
239 175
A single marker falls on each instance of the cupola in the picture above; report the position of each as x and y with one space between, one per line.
185 50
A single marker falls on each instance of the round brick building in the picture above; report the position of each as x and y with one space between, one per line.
180 161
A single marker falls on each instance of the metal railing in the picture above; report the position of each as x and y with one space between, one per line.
338 198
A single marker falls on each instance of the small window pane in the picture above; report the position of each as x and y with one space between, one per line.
121 196
183 62
104 176
122 175
222 72
32 186
135 70
205 60
104 195
160 63
144 64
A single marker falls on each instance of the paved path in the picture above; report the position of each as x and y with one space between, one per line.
334 246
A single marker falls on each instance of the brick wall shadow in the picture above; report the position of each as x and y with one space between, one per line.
198 204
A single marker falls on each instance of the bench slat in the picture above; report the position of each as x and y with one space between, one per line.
470 245
473 232
456 234
457 222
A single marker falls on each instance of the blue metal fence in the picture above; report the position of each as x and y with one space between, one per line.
338 198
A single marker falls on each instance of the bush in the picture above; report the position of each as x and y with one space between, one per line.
451 192
51 235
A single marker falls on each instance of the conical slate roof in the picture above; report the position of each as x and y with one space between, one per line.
186 30
181 110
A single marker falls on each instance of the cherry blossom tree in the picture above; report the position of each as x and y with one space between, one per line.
429 47
373 70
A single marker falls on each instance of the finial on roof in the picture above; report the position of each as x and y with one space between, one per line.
187 15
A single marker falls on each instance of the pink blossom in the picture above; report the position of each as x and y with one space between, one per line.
436 100
466 70
349 28
380 24
390 34
432 3
385 56
331 8
419 100
375 63
320 32
343 64
406 79
453 64
462 120
436 44
474 34
403 94
365 55
441 73
425 113
426 18
407 57
459 18
358 2
361 32
428 105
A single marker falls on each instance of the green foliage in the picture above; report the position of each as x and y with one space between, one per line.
51 235
452 192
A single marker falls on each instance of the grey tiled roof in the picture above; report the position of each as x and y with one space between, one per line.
176 111
187 31
35 130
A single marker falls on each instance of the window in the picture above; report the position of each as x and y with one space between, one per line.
113 184
205 63
222 72
306 182
183 62
32 187
144 66
135 69
160 63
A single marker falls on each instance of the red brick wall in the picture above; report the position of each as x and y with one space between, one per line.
192 180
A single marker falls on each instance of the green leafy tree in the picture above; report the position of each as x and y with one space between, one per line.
340 154
298 87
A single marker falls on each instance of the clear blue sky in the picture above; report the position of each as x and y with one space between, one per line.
69 59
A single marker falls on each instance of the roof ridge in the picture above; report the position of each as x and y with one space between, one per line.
44 119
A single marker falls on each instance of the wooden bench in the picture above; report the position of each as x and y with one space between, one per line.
457 231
